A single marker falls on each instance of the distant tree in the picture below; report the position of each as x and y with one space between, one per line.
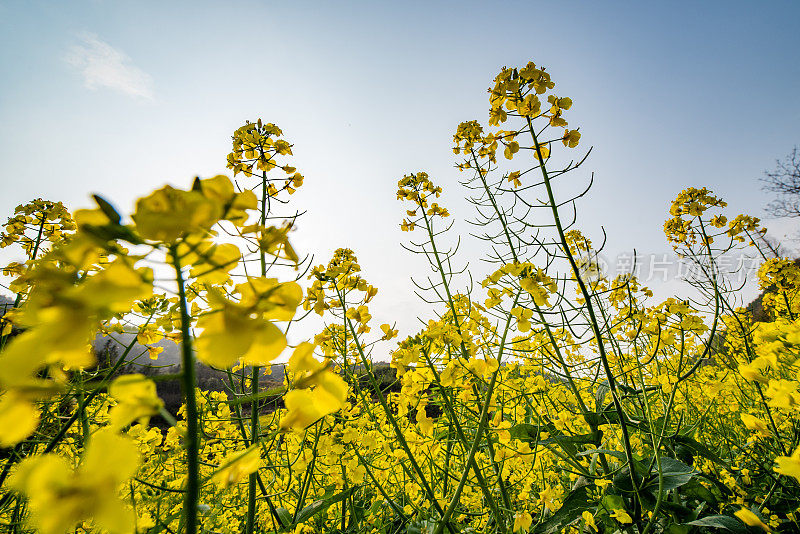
785 181
773 247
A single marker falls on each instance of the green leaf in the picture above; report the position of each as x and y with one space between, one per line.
620 455
697 449
284 517
724 522
695 490
531 434
609 452
627 390
609 503
678 510
576 503
528 432
162 523
674 472
376 505
111 232
609 416
622 480
107 209
600 395
323 504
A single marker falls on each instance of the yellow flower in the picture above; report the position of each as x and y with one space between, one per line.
548 497
305 406
18 419
148 336
219 190
303 364
622 516
751 519
545 151
236 466
230 334
789 465
388 332
214 262
588 520
511 149
153 352
425 423
754 423
319 391
63 314
59 497
275 301
137 400
783 394
522 521
113 289
523 316
752 372
360 314
571 138
241 330
168 214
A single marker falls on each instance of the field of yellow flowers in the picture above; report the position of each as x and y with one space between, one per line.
549 398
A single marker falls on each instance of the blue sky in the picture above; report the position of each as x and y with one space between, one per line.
121 97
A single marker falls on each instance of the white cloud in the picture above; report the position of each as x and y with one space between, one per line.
102 65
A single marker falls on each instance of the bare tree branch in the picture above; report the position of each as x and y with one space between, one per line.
785 181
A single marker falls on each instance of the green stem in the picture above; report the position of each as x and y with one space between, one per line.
587 297
381 490
423 481
254 408
308 476
564 367
254 433
465 354
482 427
34 253
188 385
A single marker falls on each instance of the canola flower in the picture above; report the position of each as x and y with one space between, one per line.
60 497
550 398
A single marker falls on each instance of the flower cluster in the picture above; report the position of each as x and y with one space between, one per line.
256 148
564 402
418 188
